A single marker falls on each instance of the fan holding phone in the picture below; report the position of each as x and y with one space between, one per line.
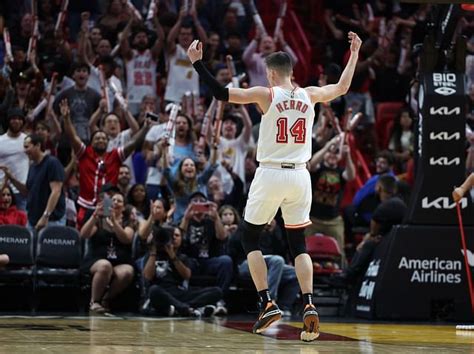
205 239
109 233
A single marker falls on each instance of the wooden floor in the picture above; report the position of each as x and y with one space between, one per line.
147 335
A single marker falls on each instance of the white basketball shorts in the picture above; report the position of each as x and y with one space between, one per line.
273 188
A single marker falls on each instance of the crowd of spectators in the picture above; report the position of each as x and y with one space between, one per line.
85 139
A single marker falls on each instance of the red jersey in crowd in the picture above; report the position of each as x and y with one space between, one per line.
95 171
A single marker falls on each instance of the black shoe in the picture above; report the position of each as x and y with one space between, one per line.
269 314
310 324
207 311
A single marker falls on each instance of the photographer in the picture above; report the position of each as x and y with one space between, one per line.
206 240
168 270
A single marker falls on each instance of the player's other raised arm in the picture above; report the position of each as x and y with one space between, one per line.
330 92
258 95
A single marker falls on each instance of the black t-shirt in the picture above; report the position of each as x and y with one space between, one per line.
200 240
37 182
83 104
104 244
165 271
328 187
390 212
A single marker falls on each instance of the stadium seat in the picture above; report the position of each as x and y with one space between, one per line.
385 113
18 243
17 279
325 253
58 259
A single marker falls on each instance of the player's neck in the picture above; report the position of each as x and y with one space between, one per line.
284 83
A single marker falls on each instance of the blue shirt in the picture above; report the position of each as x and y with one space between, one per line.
39 176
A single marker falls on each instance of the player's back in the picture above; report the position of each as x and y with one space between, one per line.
285 130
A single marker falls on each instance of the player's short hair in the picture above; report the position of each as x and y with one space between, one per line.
280 62
388 184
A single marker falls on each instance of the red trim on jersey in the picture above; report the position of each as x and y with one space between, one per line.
298 226
271 94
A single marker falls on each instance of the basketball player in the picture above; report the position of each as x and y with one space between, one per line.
459 192
282 180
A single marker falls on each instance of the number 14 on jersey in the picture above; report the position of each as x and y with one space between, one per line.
297 131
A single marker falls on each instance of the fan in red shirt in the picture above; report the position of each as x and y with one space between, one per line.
9 214
96 166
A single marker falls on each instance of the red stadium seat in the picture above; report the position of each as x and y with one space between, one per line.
385 113
325 253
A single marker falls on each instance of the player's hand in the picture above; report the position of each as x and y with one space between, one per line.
195 51
355 41
458 193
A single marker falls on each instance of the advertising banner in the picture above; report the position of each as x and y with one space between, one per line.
440 151
418 273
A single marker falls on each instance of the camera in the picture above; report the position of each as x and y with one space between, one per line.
162 236
154 117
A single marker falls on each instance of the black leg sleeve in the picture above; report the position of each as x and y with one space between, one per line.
296 242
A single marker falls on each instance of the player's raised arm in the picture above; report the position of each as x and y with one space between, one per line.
330 92
259 95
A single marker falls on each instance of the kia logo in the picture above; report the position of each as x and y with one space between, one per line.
445 136
444 161
444 111
442 203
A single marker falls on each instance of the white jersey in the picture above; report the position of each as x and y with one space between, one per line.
285 130
181 76
12 155
141 76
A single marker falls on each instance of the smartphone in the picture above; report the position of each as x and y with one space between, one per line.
154 117
107 203
201 207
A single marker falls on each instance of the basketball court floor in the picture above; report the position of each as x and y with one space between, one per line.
56 334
